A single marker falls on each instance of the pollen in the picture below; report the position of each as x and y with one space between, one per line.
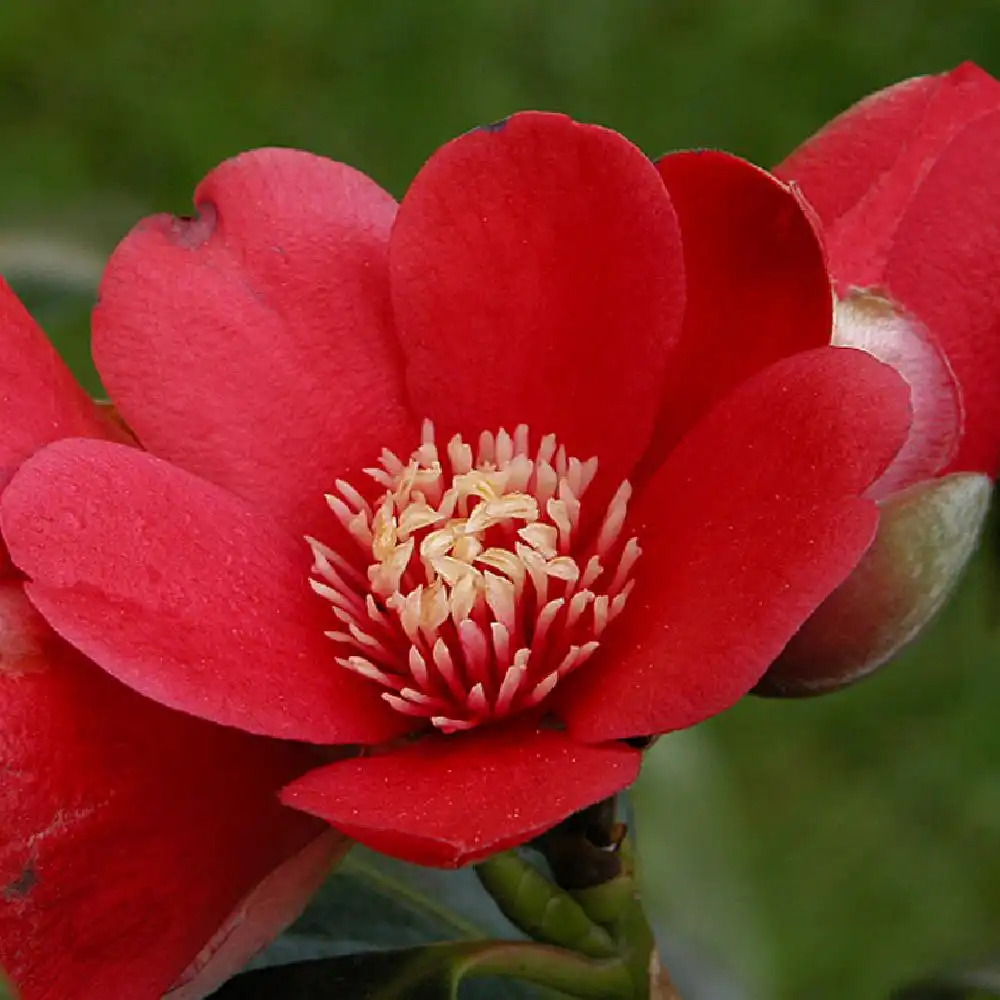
472 583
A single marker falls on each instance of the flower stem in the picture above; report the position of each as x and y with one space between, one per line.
540 908
592 933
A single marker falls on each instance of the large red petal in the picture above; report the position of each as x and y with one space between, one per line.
40 401
752 521
184 592
252 345
758 288
452 800
128 831
537 277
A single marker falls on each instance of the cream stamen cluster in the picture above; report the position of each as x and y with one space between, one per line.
477 596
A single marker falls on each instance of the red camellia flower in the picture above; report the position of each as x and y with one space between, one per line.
552 455
140 849
909 204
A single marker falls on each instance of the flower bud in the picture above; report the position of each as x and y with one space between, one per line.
926 535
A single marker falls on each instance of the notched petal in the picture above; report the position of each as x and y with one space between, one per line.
192 232
925 538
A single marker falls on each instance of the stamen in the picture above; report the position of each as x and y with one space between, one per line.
365 668
546 484
418 667
559 512
446 668
449 726
475 649
543 688
512 682
350 494
327 560
476 702
546 449
505 448
577 606
480 592
541 537
500 634
501 598
460 456
521 440
592 571
393 465
544 622
630 556
402 704
614 518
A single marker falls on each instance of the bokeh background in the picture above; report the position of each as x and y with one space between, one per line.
824 849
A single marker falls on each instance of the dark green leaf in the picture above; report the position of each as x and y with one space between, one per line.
374 904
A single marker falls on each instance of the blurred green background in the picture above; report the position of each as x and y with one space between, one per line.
827 849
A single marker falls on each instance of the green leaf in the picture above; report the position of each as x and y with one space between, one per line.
375 904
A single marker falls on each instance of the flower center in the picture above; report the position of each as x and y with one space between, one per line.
478 592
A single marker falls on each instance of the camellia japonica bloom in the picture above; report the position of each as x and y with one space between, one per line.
484 487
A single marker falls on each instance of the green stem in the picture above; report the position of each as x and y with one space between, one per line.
617 908
540 908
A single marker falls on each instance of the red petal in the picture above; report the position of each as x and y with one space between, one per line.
452 800
252 345
754 518
862 147
536 273
943 267
758 288
836 167
183 592
260 916
129 831
40 401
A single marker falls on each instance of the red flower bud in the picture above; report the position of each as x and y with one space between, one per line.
907 194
